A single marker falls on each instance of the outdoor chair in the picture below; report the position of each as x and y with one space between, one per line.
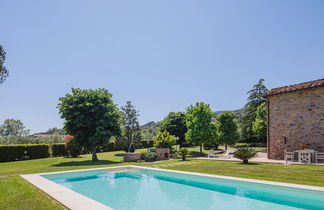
289 156
211 153
319 156
304 156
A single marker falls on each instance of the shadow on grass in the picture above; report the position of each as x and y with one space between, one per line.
119 154
85 163
247 164
197 154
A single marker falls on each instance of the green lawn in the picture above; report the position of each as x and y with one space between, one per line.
16 193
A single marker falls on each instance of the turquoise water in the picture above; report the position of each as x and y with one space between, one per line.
151 189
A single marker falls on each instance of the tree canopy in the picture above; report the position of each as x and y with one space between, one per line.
227 129
248 115
164 140
199 121
4 73
175 124
131 134
90 117
12 127
259 125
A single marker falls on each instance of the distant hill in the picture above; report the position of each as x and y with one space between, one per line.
151 124
237 111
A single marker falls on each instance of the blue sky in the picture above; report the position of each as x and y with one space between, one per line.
162 55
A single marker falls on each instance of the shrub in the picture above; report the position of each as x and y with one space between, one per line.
23 151
183 152
59 150
72 146
149 156
245 154
164 140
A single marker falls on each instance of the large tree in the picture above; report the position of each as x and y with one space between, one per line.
248 115
227 129
12 127
175 124
259 125
4 73
131 133
199 121
91 117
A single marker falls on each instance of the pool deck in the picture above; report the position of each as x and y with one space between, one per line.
261 158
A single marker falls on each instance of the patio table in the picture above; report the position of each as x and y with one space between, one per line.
312 152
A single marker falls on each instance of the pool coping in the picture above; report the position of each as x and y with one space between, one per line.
77 201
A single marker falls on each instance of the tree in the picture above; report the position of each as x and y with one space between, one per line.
245 154
227 129
164 140
90 117
4 73
183 152
199 121
175 124
55 131
131 134
259 125
248 115
12 127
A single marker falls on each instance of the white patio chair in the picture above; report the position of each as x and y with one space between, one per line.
226 154
289 156
304 156
211 153
319 156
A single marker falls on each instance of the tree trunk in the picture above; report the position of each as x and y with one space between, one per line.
225 147
201 149
94 154
183 157
245 161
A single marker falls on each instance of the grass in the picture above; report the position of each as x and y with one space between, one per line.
16 193
296 174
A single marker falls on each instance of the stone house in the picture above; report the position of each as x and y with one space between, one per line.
295 118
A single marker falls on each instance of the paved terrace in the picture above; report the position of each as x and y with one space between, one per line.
261 158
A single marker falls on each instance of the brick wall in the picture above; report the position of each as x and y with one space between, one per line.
298 117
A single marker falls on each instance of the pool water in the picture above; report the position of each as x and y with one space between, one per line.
154 189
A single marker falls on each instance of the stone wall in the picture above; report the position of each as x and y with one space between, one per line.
295 119
132 157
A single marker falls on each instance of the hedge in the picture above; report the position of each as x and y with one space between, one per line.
59 150
34 151
23 151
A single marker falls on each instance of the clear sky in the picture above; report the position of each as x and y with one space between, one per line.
163 55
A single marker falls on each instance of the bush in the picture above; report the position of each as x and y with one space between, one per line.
23 151
245 154
59 150
183 152
72 146
149 156
164 140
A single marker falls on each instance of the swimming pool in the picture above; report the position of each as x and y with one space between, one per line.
143 188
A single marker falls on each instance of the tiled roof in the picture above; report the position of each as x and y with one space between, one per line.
296 87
